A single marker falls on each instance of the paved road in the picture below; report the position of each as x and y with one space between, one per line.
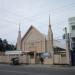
28 70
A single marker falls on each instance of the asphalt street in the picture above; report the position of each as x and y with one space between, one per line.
29 70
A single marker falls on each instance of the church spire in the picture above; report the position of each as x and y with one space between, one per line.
49 20
19 27
50 41
49 30
19 39
19 31
50 34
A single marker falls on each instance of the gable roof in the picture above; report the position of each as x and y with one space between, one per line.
60 44
56 43
31 27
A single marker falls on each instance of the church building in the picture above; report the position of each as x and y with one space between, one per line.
35 45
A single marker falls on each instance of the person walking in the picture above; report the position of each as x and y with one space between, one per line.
42 60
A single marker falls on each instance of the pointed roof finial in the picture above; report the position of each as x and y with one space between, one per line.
49 18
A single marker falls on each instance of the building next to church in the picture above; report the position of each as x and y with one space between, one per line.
34 45
72 32
72 38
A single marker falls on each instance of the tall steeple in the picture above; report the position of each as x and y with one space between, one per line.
50 41
19 39
50 33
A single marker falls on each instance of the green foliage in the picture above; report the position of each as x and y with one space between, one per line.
4 45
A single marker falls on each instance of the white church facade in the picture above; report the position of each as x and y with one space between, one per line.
34 45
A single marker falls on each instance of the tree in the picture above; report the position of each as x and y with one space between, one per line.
5 46
1 45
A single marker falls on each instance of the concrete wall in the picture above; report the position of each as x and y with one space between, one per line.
56 59
7 58
60 59
48 60
4 59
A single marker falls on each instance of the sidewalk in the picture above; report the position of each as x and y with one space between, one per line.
50 66
43 66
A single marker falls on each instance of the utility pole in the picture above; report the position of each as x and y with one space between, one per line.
67 47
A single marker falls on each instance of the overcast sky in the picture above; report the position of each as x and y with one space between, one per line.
36 13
